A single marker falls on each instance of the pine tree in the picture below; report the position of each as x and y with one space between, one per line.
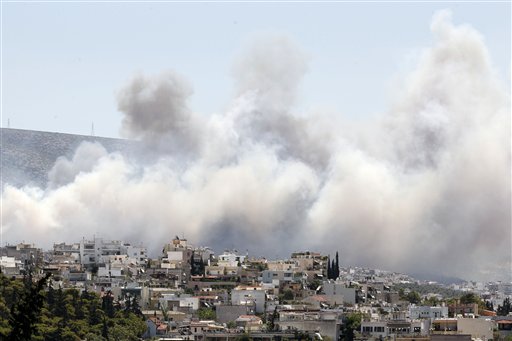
25 312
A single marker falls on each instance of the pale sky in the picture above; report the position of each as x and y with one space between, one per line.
62 63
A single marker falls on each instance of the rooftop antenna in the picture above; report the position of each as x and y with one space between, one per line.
92 129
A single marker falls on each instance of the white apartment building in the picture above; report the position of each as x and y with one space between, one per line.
249 295
393 328
91 251
339 289
426 312
230 258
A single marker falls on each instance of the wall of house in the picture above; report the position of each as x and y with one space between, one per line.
241 297
349 294
227 313
477 327
328 328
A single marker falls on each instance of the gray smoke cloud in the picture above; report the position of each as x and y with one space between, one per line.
156 111
423 188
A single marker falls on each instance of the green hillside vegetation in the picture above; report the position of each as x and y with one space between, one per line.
424 289
30 310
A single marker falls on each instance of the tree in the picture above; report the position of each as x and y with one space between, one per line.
206 314
288 295
504 309
337 268
329 272
469 298
104 329
350 324
107 304
273 317
25 312
431 301
413 297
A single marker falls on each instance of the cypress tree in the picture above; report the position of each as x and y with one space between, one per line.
333 269
329 267
337 268
104 329
107 304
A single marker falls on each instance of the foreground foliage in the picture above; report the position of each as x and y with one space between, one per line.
29 310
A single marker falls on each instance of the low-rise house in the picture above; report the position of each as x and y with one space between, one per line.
464 310
9 265
250 323
478 328
249 295
327 323
229 313
338 289
200 328
230 259
277 277
504 326
222 271
183 303
23 254
317 301
76 275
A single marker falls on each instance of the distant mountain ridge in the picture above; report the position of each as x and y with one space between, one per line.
28 155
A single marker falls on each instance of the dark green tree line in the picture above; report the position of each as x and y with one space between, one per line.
333 267
32 310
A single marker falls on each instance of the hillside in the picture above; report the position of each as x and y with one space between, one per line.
28 155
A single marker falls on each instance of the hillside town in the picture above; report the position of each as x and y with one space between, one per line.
190 293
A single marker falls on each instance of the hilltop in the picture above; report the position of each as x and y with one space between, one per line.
27 155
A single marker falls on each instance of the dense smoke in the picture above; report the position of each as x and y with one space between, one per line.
155 110
424 188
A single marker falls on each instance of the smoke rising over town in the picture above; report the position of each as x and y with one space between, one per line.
424 187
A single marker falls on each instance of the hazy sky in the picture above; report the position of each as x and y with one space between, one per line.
64 63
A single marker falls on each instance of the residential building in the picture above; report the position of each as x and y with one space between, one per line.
421 312
249 295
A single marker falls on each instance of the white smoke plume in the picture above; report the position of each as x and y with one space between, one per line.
267 80
425 188
65 171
